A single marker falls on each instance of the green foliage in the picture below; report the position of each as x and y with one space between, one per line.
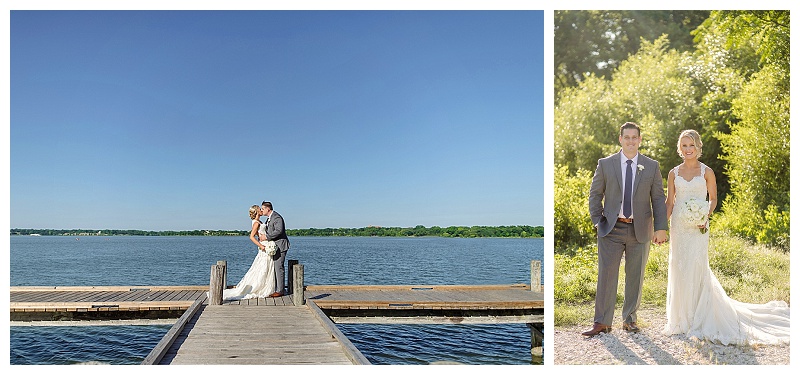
572 225
775 230
523 231
586 126
127 232
595 42
748 273
757 155
651 88
575 276
733 89
757 149
764 31
566 314
655 91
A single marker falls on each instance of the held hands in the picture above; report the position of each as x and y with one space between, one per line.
660 237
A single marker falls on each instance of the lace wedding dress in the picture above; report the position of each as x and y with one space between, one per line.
259 281
697 305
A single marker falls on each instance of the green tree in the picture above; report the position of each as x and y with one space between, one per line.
596 42
757 152
755 139
766 32
651 88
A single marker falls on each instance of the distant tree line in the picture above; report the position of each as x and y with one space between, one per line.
524 231
126 232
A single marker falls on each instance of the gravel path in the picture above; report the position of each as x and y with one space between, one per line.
651 347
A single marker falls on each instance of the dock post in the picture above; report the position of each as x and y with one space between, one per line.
298 293
536 276
290 275
215 286
224 264
537 339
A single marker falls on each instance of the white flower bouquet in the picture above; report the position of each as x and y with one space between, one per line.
270 247
695 213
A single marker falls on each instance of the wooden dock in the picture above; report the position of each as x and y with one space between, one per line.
293 329
64 303
429 304
255 333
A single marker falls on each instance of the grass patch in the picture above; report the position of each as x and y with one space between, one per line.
748 273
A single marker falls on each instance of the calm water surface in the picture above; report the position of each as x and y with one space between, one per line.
133 260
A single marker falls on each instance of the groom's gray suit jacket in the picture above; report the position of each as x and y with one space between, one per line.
276 231
649 201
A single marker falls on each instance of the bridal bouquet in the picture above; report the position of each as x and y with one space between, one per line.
695 213
269 247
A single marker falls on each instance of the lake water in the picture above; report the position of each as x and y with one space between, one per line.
148 261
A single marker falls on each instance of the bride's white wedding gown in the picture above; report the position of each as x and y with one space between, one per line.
259 281
697 305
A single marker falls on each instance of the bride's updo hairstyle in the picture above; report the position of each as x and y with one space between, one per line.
695 136
254 211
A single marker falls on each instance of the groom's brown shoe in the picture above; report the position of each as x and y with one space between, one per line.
276 294
597 329
631 327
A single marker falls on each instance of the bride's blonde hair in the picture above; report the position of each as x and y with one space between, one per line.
254 209
695 136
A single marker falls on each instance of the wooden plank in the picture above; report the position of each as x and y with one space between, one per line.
156 295
431 304
408 298
166 342
327 288
520 319
230 334
350 350
88 305
200 294
169 295
88 296
139 295
190 295
46 296
105 288
121 296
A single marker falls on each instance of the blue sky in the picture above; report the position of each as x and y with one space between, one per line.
177 120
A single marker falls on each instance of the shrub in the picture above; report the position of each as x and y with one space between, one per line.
572 224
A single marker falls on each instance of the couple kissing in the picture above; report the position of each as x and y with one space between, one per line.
266 276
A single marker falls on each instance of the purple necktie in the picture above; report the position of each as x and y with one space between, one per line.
626 200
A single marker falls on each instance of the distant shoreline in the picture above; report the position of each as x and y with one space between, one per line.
513 231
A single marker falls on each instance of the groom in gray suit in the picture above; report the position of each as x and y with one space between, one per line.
628 209
276 231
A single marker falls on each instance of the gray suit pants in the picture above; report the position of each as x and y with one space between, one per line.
280 270
621 240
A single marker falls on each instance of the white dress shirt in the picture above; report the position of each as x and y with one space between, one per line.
624 166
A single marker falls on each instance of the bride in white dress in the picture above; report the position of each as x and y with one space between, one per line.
259 281
697 305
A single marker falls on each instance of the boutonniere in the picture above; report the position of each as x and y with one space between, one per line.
640 167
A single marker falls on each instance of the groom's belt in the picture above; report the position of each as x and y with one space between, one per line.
629 221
